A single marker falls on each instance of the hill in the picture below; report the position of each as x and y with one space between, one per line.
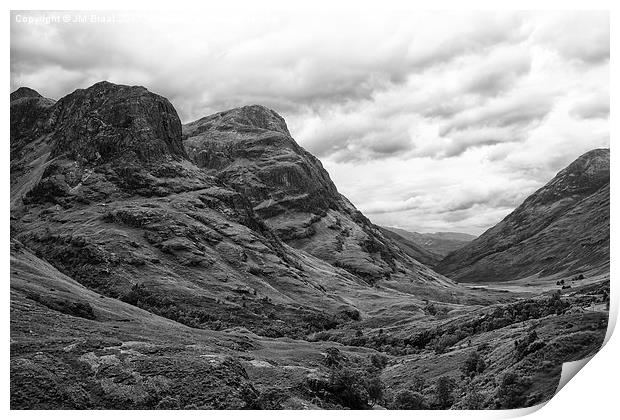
563 228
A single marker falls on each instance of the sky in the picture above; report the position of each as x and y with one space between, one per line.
427 121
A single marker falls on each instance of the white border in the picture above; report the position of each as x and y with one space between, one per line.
592 395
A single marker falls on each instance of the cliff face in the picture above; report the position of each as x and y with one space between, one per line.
562 227
251 149
108 122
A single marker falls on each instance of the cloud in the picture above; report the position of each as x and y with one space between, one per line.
519 110
498 72
478 137
582 36
495 196
355 136
591 108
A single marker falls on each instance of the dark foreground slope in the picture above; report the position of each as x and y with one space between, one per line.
561 228
73 348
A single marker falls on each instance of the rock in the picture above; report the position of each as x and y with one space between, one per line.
251 149
107 122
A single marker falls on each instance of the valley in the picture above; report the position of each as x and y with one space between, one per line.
215 265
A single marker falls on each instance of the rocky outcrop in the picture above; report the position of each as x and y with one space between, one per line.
250 148
562 227
108 122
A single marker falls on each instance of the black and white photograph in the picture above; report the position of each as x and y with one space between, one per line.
306 209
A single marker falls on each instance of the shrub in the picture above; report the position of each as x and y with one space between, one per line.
512 391
430 309
65 306
527 345
379 360
445 341
352 382
474 364
555 303
444 389
409 400
271 399
332 357
168 403
473 400
374 388
348 388
417 383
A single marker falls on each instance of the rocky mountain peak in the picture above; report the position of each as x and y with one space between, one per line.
584 176
29 113
251 149
592 168
250 118
24 92
107 121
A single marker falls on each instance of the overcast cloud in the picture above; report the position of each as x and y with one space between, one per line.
425 121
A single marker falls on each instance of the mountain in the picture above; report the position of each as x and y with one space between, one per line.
561 228
102 188
251 150
216 266
28 146
438 243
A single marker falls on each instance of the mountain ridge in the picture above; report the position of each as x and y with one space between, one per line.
586 177
251 149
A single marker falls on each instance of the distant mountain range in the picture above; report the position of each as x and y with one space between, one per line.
430 247
563 228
